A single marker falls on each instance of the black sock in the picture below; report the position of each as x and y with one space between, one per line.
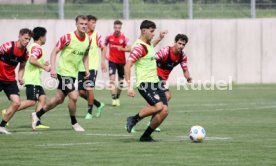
73 120
117 96
90 109
137 117
38 123
148 132
3 123
97 103
114 96
40 113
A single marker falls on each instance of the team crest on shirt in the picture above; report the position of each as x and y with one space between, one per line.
156 97
121 41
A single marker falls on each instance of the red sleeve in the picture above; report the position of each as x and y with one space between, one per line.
162 54
63 41
36 52
99 41
5 48
137 52
184 61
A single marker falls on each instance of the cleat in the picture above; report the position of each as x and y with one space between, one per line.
130 123
157 129
99 110
3 115
114 102
35 119
3 130
78 128
118 102
41 126
88 116
146 139
132 130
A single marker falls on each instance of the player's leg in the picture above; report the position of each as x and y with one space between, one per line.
158 117
12 92
155 105
121 76
112 72
31 94
72 106
40 103
52 103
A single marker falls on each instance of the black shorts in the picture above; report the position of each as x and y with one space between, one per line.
66 84
113 67
164 83
9 87
153 92
33 92
85 83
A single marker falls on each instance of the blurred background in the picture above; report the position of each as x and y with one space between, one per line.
229 40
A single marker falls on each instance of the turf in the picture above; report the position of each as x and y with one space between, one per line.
240 125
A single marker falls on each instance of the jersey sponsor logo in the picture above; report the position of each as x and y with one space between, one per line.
78 52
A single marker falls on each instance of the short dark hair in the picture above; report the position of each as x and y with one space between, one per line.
91 17
118 22
38 32
146 24
181 37
25 31
80 16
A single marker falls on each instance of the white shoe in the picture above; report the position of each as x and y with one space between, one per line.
3 130
35 119
77 127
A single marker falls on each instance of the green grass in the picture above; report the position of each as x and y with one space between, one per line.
140 10
245 115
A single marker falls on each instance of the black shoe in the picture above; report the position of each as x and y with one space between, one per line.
146 139
131 122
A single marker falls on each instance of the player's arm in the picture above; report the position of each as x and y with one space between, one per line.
125 49
103 56
186 74
128 66
36 53
85 61
21 72
53 59
161 36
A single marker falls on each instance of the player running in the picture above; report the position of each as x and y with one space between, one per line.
87 92
118 45
11 54
74 48
149 86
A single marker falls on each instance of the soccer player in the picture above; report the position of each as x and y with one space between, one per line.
169 57
11 54
149 86
87 92
74 48
118 45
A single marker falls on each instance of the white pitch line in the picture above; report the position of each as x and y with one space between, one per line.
111 135
26 132
206 138
68 144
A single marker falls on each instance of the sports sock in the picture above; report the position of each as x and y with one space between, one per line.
148 132
3 123
73 120
40 113
90 109
38 123
117 96
137 117
114 96
97 103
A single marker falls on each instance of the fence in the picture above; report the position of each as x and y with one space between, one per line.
140 9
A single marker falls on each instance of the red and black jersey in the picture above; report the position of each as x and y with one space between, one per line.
10 56
167 60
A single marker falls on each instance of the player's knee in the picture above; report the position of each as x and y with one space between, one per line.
59 99
158 107
32 102
165 111
16 103
73 98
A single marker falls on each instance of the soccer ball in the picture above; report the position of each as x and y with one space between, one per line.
197 133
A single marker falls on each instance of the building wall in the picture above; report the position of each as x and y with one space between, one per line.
243 49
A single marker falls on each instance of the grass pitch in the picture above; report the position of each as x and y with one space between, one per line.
240 125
